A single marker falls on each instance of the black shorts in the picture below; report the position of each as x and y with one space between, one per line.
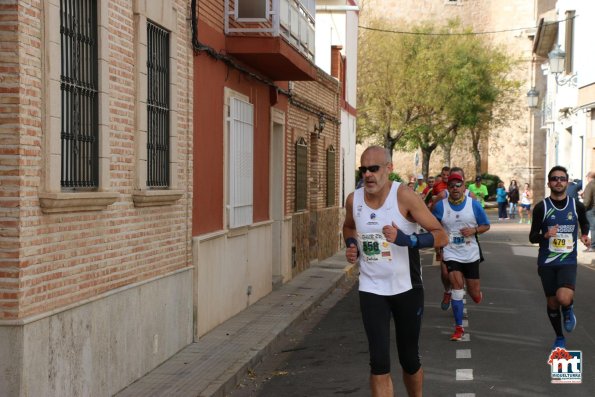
557 276
470 270
406 310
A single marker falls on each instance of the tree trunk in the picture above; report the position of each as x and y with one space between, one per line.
426 153
451 133
447 147
475 151
389 143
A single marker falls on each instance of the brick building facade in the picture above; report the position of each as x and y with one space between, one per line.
112 112
95 277
273 77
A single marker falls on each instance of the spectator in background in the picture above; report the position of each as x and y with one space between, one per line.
589 203
513 198
420 185
501 200
574 186
427 192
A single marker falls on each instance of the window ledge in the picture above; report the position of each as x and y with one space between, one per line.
73 202
149 198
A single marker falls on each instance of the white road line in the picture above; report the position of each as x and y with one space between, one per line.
465 323
463 353
465 395
466 337
464 374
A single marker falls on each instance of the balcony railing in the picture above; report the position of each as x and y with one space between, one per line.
294 20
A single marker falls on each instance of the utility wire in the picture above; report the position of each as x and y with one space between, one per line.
456 33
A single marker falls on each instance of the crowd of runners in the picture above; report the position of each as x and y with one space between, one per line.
387 223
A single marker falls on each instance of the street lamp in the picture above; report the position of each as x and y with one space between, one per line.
532 98
556 60
321 123
556 65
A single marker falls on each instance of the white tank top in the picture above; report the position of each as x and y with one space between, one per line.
459 248
385 268
525 199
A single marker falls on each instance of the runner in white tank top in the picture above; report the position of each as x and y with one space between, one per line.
379 229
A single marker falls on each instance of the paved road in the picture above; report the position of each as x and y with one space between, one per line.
506 354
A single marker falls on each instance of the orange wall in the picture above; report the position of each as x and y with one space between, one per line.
210 79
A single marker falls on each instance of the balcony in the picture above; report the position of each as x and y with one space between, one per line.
276 37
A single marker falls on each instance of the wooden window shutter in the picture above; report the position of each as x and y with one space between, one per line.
330 176
241 154
568 41
301 175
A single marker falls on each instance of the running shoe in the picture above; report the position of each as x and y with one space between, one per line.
569 319
445 301
559 342
521 221
458 334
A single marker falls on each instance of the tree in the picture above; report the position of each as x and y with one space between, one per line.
494 92
421 90
387 91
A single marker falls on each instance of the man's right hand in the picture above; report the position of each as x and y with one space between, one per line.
551 231
351 253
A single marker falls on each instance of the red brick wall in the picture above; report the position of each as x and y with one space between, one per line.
48 261
10 159
312 237
321 95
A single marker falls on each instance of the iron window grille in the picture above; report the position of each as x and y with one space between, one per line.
79 94
158 106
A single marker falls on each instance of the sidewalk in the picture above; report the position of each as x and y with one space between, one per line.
215 364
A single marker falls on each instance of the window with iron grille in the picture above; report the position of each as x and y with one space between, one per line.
330 177
158 105
79 93
301 175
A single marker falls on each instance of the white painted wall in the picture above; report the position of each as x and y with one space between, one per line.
341 28
239 260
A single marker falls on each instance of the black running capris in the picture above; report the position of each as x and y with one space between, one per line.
407 311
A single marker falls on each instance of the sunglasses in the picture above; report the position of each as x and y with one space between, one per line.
455 184
558 179
372 168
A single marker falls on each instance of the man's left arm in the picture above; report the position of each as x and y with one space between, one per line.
481 218
583 222
414 206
